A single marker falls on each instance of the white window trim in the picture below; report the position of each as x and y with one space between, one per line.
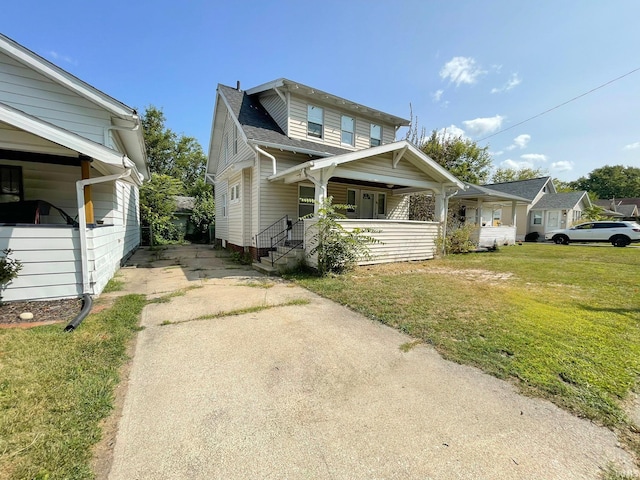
313 137
371 125
533 218
309 185
234 193
235 139
224 205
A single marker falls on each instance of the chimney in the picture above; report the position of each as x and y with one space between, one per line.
238 85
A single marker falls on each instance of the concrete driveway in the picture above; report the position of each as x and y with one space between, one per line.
299 387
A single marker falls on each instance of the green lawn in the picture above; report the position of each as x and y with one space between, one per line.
55 387
563 322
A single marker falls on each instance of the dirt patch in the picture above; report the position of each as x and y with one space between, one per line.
44 312
475 274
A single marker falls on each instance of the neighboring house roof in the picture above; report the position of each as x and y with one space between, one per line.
629 201
261 129
486 194
343 103
107 161
627 210
560 201
184 204
528 189
131 135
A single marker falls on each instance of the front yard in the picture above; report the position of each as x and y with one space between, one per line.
562 322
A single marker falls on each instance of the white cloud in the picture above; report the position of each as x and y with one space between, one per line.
451 132
56 56
562 166
534 157
497 154
513 165
514 81
437 95
483 126
632 146
461 70
521 141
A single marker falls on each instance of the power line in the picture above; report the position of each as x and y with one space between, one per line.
560 105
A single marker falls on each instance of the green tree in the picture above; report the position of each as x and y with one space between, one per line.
461 156
512 174
562 186
607 182
170 154
157 207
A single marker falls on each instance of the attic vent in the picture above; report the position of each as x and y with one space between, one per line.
238 85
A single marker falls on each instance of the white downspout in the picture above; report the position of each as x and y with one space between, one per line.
116 127
273 159
82 222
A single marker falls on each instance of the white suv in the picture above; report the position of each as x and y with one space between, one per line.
620 234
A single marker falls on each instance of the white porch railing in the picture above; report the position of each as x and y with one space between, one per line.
488 236
399 240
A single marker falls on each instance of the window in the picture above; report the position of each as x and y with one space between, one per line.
235 139
225 149
351 200
235 193
11 184
382 203
375 135
536 218
315 121
347 124
224 205
306 196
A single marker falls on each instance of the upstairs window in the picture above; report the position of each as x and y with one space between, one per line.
375 135
235 193
11 184
347 125
224 205
315 121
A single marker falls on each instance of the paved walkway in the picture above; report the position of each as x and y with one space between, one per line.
314 390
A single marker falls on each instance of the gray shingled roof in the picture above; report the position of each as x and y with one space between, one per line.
556 201
184 204
475 191
260 128
627 210
521 188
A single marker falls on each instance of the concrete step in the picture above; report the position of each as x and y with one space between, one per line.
265 269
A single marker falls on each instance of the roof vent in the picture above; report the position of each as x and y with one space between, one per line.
238 85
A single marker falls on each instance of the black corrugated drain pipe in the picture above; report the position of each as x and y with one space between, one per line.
87 303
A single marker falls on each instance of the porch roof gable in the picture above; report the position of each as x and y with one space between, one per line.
109 161
478 192
401 149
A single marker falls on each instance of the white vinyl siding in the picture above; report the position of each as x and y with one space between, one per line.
14 139
233 148
246 206
276 198
222 230
277 109
35 94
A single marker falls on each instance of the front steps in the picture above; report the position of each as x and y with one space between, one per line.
285 259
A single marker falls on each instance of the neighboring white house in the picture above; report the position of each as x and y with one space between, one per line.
543 209
67 144
276 146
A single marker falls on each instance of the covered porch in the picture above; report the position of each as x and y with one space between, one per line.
375 183
493 214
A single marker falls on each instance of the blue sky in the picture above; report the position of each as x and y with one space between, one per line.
472 67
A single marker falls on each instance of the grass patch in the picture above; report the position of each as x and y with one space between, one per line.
408 346
114 285
258 284
239 311
55 389
178 293
565 324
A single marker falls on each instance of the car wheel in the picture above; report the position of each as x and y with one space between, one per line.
561 240
620 241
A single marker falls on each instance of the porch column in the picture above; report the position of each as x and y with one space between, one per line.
513 213
85 167
441 211
320 181
320 196
479 214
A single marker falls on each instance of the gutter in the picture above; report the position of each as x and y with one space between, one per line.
82 223
257 149
136 120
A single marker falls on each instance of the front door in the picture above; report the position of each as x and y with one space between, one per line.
367 204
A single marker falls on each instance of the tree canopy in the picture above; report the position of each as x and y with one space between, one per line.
511 174
168 153
461 156
607 182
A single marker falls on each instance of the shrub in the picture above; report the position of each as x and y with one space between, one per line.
9 268
338 249
458 239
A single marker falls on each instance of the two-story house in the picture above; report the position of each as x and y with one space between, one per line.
279 149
